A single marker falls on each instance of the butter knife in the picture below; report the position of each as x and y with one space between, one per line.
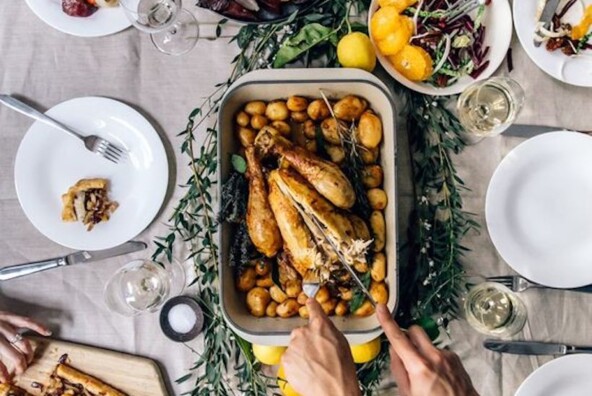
533 348
16 271
546 18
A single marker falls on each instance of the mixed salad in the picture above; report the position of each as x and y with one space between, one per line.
571 39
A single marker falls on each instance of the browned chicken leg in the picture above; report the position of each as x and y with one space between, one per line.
261 224
325 176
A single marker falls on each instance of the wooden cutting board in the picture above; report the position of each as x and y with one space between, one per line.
134 375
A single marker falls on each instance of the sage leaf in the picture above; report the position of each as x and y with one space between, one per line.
238 163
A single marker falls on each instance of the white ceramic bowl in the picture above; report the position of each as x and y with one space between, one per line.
272 84
498 35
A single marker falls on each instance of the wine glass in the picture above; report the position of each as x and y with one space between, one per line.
143 286
173 30
488 107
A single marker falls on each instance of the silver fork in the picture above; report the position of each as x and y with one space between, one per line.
92 143
518 284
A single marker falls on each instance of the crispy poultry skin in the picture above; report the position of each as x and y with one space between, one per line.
298 241
261 223
324 176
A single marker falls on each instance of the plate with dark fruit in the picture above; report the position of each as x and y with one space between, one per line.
256 11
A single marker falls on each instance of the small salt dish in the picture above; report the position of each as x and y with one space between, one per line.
181 319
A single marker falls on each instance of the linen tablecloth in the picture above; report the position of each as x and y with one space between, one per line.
47 67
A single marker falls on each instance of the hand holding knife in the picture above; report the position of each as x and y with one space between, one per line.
16 271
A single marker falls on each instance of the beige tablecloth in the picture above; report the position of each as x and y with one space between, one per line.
47 67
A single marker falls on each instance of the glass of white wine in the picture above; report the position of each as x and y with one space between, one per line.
143 286
495 310
488 107
173 30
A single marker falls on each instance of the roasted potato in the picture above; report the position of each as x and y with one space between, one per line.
366 309
303 312
350 108
262 267
360 228
277 111
243 119
265 281
299 116
288 308
369 156
361 266
271 309
293 288
258 121
346 293
322 295
255 107
342 308
297 103
378 230
257 300
318 110
311 145
372 176
283 127
302 298
378 271
246 279
336 153
332 130
329 306
369 130
377 198
246 136
379 292
309 129
277 294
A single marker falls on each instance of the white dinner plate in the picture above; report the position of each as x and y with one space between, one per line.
565 376
49 161
572 70
539 209
104 22
498 36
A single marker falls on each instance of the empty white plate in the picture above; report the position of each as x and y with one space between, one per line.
565 376
104 22
539 209
49 161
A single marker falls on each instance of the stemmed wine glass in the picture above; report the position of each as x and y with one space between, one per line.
173 30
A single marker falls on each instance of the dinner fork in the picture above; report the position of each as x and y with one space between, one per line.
518 284
92 143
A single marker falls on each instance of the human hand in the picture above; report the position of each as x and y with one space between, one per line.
419 368
318 360
13 348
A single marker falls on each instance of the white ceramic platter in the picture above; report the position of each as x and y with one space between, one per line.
571 70
104 22
566 376
538 209
498 35
49 161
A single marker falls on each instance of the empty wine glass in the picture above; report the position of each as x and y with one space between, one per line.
143 286
173 30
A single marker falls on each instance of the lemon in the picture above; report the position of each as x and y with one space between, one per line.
285 387
356 50
413 62
363 353
384 21
269 355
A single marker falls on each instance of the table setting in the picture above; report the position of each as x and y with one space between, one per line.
162 209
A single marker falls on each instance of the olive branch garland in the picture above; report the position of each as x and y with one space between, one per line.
430 279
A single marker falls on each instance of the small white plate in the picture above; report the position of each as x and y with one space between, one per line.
539 209
565 376
104 22
49 161
570 70
498 35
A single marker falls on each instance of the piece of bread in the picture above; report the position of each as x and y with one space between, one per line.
65 374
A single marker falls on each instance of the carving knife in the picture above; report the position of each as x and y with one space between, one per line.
16 271
546 18
533 348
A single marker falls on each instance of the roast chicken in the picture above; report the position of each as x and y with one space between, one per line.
324 176
261 223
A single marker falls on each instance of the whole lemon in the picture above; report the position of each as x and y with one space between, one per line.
285 387
363 353
356 50
269 355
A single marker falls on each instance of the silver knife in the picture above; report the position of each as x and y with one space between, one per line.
528 131
16 271
547 17
533 347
